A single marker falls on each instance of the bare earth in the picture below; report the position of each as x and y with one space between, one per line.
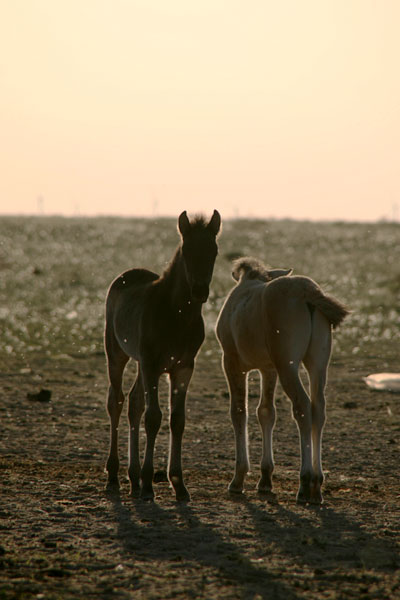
63 537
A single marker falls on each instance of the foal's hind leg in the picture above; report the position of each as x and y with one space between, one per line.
317 385
316 362
266 418
117 360
180 379
135 412
236 377
293 387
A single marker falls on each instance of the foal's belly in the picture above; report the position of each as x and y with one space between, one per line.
252 348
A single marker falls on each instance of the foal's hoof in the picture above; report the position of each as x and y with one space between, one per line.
160 476
234 489
147 494
316 501
316 497
310 489
312 497
183 495
112 486
301 499
264 488
135 491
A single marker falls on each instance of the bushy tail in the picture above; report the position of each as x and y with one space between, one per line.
331 308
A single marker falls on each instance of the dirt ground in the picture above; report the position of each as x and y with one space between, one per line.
63 537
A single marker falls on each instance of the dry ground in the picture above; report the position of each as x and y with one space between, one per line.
62 537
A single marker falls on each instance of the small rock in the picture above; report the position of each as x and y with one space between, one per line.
42 396
350 404
56 572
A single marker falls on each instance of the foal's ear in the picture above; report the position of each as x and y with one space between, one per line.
183 223
235 275
274 273
215 222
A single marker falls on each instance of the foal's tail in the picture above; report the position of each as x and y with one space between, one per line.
331 308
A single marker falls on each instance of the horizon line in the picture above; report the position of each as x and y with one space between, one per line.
383 219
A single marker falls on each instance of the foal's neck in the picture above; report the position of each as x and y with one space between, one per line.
178 287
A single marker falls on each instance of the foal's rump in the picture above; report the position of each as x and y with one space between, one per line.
290 293
126 299
297 312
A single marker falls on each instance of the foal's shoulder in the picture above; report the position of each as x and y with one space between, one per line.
133 277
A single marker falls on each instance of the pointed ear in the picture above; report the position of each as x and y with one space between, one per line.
235 275
215 222
274 273
183 223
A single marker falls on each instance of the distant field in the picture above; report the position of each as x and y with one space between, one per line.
54 273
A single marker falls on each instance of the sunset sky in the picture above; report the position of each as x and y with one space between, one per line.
262 108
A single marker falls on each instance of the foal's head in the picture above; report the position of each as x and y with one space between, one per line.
248 267
199 251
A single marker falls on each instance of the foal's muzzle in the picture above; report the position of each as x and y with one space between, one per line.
200 292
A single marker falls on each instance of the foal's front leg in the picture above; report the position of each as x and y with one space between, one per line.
180 379
236 377
152 422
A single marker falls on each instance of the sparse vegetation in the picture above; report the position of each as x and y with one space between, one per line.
54 273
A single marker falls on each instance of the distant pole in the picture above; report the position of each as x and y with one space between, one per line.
40 204
395 211
155 207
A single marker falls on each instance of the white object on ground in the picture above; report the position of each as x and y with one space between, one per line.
383 381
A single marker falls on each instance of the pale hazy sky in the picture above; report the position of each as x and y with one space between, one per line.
257 108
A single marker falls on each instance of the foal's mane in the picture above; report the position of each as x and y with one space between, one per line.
198 222
251 268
